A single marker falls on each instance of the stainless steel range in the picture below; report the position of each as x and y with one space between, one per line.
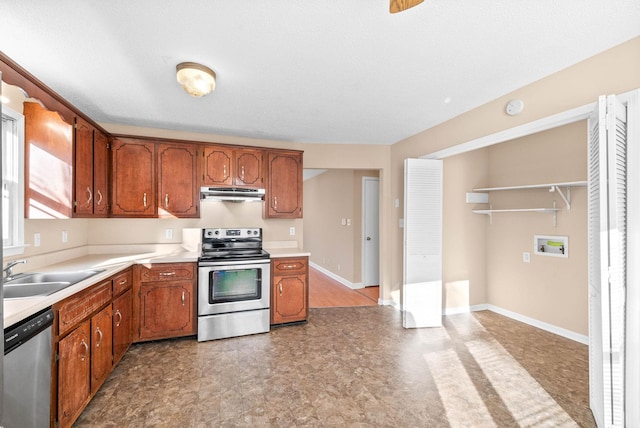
233 284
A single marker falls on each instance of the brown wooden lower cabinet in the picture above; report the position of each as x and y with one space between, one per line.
122 325
289 290
91 333
165 301
74 374
101 348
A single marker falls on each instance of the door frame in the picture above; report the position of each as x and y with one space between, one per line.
363 233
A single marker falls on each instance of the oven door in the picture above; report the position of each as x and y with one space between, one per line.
225 287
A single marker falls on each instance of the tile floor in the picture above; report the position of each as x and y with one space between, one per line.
353 367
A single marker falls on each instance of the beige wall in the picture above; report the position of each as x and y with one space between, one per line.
614 71
464 256
329 198
550 289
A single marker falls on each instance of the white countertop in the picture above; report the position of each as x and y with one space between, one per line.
287 252
15 310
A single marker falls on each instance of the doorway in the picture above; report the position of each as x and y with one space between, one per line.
370 231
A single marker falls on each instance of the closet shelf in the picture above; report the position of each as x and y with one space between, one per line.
552 187
553 211
520 210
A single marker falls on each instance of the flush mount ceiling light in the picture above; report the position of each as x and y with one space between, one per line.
196 79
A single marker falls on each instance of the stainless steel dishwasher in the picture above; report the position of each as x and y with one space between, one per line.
27 372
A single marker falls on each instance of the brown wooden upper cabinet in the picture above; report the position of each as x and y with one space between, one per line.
178 193
283 197
91 181
48 163
231 166
133 170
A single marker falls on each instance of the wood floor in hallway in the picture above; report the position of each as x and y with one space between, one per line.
325 292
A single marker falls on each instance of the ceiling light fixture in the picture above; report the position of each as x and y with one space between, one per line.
196 79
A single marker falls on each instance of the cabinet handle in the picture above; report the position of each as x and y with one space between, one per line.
99 195
281 288
224 171
289 266
90 195
167 273
242 173
120 317
166 200
275 202
86 350
144 199
122 282
99 338
182 297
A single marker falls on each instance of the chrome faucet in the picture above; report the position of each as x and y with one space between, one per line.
7 269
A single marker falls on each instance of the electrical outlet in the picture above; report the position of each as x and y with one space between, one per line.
526 257
65 236
292 231
348 222
168 233
36 239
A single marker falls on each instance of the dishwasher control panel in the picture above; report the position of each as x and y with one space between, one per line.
24 330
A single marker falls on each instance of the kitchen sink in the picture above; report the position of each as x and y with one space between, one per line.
22 290
43 283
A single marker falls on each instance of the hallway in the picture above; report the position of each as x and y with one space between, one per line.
326 292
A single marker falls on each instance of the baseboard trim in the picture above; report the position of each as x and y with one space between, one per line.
341 280
390 302
581 338
522 318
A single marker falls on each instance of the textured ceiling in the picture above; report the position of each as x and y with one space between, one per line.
330 71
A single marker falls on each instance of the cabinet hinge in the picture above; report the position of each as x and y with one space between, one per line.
57 356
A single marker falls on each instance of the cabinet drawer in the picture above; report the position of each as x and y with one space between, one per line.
82 305
289 266
122 281
167 272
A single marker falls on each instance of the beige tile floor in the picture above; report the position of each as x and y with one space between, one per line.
353 367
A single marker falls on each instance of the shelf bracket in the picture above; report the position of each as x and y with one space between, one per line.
566 199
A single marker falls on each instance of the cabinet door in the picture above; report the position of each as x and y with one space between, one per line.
216 168
248 168
83 183
178 193
100 174
48 163
74 369
122 333
167 309
284 189
101 347
134 184
289 299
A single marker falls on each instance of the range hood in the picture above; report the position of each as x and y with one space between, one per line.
234 194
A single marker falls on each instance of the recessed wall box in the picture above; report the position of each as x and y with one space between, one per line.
477 198
554 246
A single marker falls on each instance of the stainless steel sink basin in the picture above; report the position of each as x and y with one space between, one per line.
33 284
19 291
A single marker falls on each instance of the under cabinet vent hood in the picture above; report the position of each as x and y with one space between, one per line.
234 194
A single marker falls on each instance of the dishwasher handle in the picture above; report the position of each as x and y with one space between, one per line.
24 330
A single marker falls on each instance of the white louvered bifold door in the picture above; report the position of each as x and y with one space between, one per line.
607 259
422 287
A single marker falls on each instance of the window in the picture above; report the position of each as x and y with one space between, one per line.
12 182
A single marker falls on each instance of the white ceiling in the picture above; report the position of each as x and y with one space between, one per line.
328 71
